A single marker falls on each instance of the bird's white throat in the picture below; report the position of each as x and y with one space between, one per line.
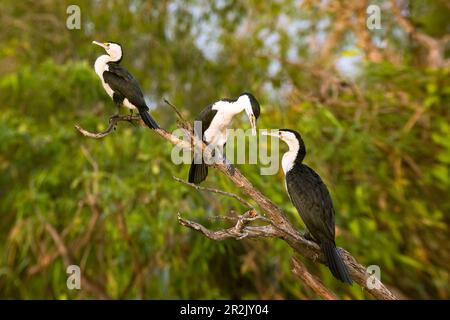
101 65
289 157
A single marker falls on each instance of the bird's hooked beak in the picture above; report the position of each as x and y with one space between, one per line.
273 133
103 45
252 119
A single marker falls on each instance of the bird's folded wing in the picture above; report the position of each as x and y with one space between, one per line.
122 82
206 117
310 197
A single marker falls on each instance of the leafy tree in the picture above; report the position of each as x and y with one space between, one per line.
372 106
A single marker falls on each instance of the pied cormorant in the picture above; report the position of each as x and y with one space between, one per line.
312 200
119 84
216 119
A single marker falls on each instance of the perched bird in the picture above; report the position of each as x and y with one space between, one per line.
119 84
312 200
216 119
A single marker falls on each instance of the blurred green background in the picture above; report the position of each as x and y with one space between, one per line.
372 106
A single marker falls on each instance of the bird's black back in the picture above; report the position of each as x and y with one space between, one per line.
125 85
206 116
312 200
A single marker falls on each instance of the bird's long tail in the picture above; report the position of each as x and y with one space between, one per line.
197 172
334 262
148 120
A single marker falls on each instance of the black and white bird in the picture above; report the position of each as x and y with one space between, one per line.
312 200
215 120
119 84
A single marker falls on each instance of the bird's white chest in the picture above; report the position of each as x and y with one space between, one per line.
128 104
288 161
107 88
100 66
217 131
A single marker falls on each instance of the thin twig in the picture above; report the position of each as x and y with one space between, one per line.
175 109
184 123
224 193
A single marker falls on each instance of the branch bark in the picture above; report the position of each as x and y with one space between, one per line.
112 125
239 231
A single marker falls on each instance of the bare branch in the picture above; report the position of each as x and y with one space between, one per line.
240 231
114 120
112 124
224 193
300 270
180 116
175 140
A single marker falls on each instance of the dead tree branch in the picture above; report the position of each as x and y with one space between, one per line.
239 231
112 124
114 120
280 226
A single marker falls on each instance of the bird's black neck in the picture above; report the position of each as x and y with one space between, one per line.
299 148
301 153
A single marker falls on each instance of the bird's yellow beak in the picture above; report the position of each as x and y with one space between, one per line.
103 45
